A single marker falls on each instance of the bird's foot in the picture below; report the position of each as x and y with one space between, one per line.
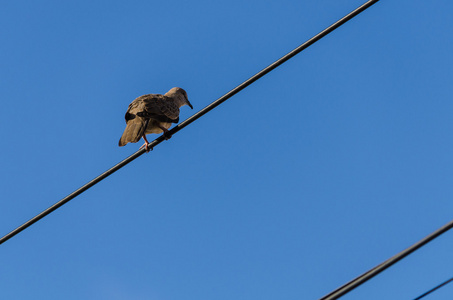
146 144
166 135
148 148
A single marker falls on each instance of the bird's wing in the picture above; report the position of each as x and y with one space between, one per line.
136 107
160 108
135 125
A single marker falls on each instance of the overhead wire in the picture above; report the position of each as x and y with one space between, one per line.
434 289
189 120
351 285
341 291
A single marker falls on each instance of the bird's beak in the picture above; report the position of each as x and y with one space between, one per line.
190 105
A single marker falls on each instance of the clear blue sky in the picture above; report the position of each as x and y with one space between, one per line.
314 174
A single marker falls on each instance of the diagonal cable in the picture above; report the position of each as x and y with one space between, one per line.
434 289
191 119
347 287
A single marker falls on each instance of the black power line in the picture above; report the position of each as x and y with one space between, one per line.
346 288
433 289
190 119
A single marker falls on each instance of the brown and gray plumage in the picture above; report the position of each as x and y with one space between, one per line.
153 113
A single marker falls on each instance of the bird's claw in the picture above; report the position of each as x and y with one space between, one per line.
166 136
147 148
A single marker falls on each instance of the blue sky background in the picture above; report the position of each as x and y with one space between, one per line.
319 171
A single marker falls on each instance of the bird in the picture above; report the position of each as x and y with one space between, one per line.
153 113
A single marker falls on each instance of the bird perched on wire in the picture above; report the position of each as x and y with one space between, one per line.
153 113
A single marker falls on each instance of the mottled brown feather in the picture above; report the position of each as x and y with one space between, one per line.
146 114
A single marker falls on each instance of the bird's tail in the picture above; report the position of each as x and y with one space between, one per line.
133 132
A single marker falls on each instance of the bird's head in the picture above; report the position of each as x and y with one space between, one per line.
180 95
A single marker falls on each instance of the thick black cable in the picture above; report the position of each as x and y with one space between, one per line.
190 119
346 288
433 289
